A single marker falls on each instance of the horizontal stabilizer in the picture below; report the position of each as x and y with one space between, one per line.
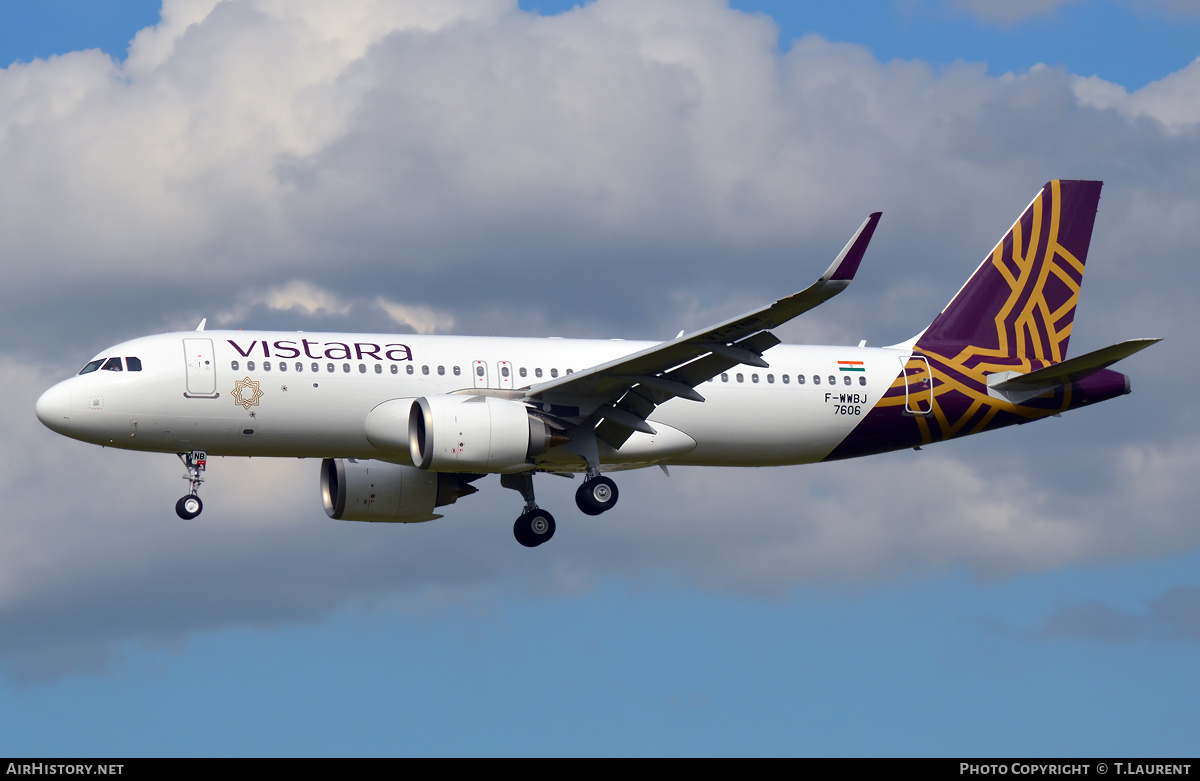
1016 387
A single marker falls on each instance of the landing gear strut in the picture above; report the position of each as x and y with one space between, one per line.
598 494
190 505
535 526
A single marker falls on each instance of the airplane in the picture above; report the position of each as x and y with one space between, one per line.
405 424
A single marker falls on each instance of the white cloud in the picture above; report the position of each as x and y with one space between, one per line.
1174 100
422 319
301 298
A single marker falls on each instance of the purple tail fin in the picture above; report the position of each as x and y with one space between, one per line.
1020 302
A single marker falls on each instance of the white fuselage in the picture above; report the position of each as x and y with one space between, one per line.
287 394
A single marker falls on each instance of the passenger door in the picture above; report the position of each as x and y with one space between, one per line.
201 367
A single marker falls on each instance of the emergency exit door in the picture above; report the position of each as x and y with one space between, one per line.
480 373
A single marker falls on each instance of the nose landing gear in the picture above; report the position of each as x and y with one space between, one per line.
190 505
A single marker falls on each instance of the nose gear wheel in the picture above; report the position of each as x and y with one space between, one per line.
190 505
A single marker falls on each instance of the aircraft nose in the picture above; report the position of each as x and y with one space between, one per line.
54 407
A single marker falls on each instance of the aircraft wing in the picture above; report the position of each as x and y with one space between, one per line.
623 392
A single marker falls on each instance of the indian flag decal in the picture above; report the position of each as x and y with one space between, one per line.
851 366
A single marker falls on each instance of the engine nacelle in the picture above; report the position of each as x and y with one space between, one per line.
386 428
355 490
475 434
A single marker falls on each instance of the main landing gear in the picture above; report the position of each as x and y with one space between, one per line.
195 462
598 494
535 526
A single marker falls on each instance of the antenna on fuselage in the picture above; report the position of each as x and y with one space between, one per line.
201 326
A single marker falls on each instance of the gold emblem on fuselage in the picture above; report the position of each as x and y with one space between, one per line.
247 393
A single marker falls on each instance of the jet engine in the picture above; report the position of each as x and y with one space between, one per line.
476 434
356 490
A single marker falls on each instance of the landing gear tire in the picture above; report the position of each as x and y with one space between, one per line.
533 528
597 495
189 507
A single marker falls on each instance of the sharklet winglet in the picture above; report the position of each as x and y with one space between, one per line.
846 264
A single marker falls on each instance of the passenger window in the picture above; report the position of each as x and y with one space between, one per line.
724 376
133 364
425 370
112 365
395 369
299 366
457 371
409 369
316 367
478 371
266 366
379 368
249 366
523 372
442 371
283 366
785 379
233 365
345 368
94 365
537 372
329 367
503 371
846 380
740 378
770 379
799 379
832 380
753 378
362 368
554 372
816 379
570 371
862 380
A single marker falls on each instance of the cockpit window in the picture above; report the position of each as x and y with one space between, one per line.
112 365
133 364
91 367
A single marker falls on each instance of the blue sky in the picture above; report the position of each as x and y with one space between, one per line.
938 666
230 638
1120 41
